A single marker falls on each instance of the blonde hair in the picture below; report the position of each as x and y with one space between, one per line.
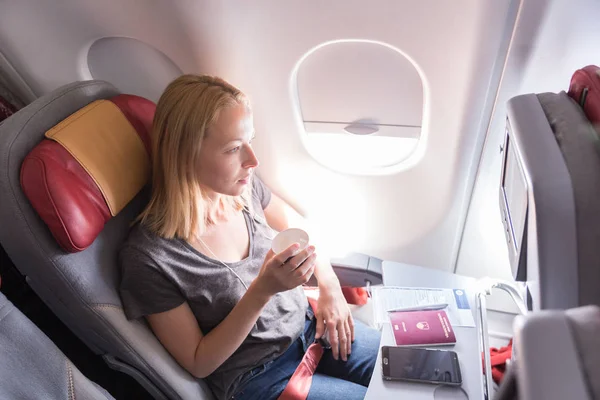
178 205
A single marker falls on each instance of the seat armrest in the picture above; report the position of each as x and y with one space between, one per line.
356 269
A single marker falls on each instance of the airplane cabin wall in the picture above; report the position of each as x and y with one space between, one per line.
552 40
414 215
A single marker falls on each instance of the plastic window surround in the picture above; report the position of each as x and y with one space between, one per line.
415 156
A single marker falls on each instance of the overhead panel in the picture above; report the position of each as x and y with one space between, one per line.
133 66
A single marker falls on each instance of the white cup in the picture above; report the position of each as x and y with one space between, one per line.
285 239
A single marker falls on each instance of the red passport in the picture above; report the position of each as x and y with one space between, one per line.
422 328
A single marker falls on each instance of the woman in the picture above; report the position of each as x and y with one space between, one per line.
199 268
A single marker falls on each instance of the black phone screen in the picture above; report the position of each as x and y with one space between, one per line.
406 363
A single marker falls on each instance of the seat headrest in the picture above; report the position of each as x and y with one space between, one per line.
89 167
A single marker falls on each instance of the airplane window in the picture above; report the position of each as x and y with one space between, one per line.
360 104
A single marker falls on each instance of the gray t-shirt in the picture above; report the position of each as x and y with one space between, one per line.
160 274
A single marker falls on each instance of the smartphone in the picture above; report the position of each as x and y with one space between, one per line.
420 365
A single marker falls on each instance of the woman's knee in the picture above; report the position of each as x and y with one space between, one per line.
367 340
367 333
365 349
325 387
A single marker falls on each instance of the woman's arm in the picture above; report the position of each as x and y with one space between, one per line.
333 311
178 331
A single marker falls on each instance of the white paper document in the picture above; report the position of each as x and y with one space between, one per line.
386 298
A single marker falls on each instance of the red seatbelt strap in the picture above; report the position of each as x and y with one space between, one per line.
299 384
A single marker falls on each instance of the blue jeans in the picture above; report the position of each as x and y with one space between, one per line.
332 380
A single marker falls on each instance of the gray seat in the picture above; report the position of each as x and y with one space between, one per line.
557 356
553 194
575 137
32 367
557 352
81 288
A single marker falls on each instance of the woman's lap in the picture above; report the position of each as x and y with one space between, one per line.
360 364
333 378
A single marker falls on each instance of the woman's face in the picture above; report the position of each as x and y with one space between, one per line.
226 156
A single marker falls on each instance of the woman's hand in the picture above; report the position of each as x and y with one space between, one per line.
334 314
284 271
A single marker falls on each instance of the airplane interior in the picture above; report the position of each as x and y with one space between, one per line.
440 145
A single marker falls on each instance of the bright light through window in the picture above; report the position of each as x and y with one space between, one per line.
358 154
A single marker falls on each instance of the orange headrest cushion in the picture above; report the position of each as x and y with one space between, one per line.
89 167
